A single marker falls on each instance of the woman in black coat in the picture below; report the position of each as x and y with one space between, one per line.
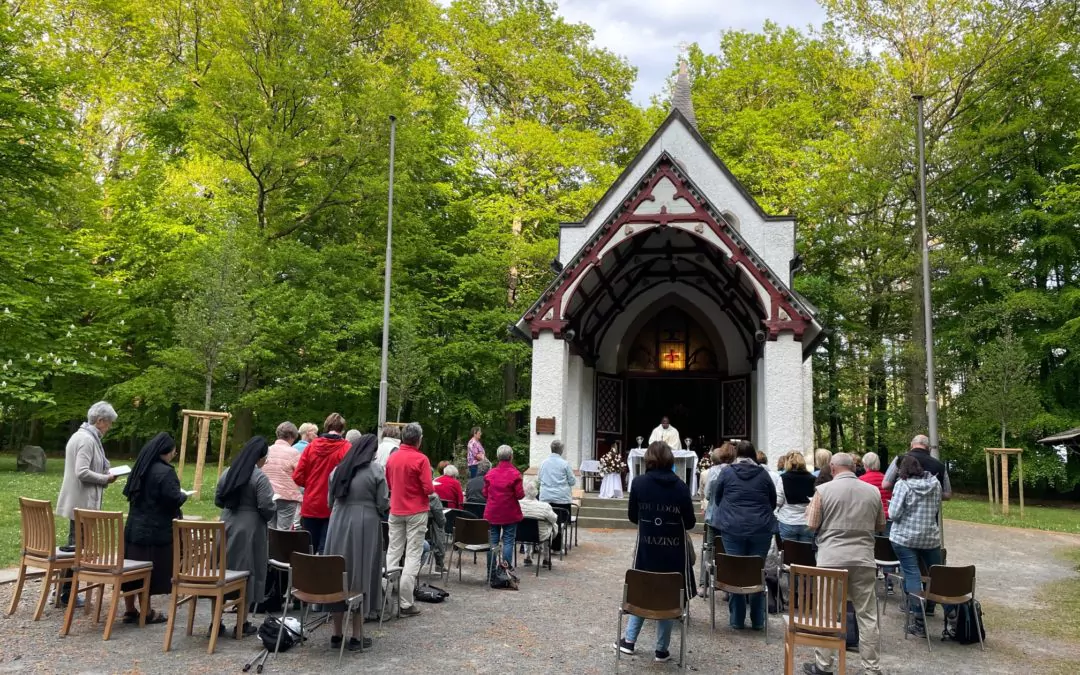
745 496
153 491
660 506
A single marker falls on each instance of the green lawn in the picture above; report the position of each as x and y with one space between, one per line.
979 510
14 484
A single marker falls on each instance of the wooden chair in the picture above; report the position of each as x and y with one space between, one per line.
472 535
528 533
282 544
737 575
658 596
199 572
819 618
948 586
793 553
39 552
99 562
322 579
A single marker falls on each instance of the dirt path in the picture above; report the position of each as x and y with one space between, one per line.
564 622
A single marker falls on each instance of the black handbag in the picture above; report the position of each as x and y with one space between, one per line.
428 593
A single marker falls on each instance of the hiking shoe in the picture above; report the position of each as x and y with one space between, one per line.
625 647
812 669
916 629
355 645
248 629
662 657
411 610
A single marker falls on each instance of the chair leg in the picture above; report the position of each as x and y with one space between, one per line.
193 603
241 613
114 602
843 661
285 613
47 583
789 655
978 623
98 604
344 631
144 600
18 592
69 613
219 603
618 637
712 601
361 626
926 629
172 619
682 640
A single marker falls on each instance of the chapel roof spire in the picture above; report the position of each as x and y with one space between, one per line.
680 99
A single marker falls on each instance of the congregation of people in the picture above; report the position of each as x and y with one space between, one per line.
837 506
375 502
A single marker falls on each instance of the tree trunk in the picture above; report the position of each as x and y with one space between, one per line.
37 431
509 369
208 389
1002 435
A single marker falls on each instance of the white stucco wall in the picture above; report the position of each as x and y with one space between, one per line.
550 371
773 241
808 404
588 415
782 408
571 437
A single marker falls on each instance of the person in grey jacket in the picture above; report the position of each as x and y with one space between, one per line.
86 470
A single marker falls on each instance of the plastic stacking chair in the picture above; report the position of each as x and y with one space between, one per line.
819 618
528 533
737 575
322 579
658 596
469 535
282 544
948 586
99 562
199 572
39 552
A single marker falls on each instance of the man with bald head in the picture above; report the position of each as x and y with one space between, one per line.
846 513
919 450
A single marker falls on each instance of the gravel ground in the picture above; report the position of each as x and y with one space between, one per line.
562 623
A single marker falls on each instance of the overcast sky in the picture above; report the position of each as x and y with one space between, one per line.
649 32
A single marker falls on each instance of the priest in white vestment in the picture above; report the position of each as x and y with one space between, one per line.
666 433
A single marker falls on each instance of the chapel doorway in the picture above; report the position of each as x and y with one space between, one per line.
691 403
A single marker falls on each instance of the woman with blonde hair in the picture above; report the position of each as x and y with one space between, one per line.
821 460
796 489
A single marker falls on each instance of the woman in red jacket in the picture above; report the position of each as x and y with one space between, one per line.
312 473
503 488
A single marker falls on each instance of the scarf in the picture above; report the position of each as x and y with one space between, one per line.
159 445
360 455
239 475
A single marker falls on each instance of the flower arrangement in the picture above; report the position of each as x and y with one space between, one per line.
704 464
612 462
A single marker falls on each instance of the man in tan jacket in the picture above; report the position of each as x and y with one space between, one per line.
846 513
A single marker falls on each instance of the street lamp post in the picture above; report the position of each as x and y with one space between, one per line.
383 381
928 324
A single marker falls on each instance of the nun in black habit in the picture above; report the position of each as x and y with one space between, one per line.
246 500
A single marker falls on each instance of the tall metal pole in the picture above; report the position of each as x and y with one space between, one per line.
383 383
928 324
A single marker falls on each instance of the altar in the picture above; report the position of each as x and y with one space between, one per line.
685 466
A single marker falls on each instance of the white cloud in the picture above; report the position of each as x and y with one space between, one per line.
649 33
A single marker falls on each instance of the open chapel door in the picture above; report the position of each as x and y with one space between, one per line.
610 413
735 408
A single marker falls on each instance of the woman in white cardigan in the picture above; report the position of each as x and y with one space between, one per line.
86 470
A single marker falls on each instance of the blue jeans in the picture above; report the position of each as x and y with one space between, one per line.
757 544
508 535
663 631
473 469
796 533
909 567
317 528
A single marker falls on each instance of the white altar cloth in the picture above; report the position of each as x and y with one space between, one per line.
685 466
611 487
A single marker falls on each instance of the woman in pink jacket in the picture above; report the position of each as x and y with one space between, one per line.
502 489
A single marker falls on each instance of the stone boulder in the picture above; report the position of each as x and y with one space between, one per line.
31 459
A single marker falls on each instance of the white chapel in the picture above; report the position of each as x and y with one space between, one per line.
673 299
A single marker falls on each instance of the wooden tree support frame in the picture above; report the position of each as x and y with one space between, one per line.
997 474
203 418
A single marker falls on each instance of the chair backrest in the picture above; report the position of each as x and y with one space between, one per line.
653 592
528 531
952 581
38 527
563 516
283 543
445 504
474 508
883 550
820 603
799 553
739 570
198 551
319 575
718 544
471 531
451 517
99 540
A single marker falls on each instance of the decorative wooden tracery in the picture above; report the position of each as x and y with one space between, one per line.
783 313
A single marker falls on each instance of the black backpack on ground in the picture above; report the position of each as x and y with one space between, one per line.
268 634
964 629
